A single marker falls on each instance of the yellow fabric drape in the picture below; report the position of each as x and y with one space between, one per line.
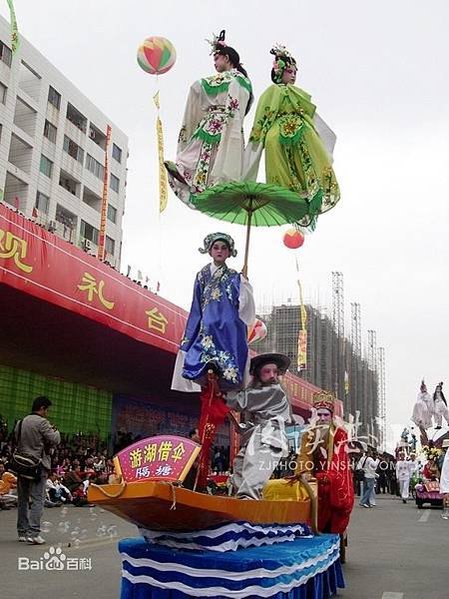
163 182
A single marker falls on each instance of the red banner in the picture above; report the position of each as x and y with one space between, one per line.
45 266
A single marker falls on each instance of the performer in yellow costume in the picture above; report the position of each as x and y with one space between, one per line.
298 144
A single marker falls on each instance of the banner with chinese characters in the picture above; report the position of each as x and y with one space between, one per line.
165 457
41 264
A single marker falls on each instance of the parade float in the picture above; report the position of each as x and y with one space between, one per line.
427 490
263 541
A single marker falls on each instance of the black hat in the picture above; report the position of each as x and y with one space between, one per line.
281 361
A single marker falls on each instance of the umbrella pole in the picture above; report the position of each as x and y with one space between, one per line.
248 234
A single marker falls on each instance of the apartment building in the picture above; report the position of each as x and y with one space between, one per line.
52 151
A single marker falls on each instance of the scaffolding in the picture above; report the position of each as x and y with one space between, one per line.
334 363
338 353
382 398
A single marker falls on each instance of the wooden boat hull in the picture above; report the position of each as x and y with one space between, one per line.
163 506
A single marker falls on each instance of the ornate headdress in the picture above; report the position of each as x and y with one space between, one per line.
210 239
217 42
423 387
282 59
324 400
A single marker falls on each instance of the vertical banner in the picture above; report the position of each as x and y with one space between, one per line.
15 41
104 200
163 182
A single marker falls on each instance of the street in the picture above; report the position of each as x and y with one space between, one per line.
395 552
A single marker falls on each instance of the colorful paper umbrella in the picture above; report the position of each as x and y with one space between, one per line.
250 203
156 55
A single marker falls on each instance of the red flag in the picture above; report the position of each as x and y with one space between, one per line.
17 203
35 212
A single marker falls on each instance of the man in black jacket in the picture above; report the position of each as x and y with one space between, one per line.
37 437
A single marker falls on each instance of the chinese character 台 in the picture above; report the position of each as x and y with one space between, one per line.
156 320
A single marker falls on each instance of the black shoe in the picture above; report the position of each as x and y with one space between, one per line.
404 501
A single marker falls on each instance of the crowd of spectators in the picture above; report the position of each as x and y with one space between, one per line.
78 461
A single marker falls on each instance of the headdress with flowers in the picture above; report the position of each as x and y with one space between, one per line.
217 42
431 452
282 59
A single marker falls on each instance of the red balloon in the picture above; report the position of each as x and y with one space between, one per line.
293 239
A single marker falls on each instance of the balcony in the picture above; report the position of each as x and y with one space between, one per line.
25 117
97 136
15 192
76 118
20 154
91 199
29 81
69 183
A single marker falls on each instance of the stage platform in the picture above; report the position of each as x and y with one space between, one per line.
307 568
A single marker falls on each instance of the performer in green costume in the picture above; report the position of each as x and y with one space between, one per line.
298 144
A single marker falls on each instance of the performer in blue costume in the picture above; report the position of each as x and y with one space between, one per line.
216 330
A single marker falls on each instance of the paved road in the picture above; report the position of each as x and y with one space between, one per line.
395 552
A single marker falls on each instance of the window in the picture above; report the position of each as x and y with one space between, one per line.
112 214
46 166
3 90
50 131
42 202
5 54
110 245
89 232
94 167
54 97
115 183
73 149
116 153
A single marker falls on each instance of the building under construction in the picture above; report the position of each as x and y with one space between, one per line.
354 374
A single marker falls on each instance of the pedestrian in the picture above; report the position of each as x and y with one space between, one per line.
35 437
403 473
368 464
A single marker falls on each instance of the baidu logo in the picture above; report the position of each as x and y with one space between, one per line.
54 560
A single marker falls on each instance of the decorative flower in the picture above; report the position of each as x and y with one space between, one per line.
215 294
234 104
207 342
230 374
215 126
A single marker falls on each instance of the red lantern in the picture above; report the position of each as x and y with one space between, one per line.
293 239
